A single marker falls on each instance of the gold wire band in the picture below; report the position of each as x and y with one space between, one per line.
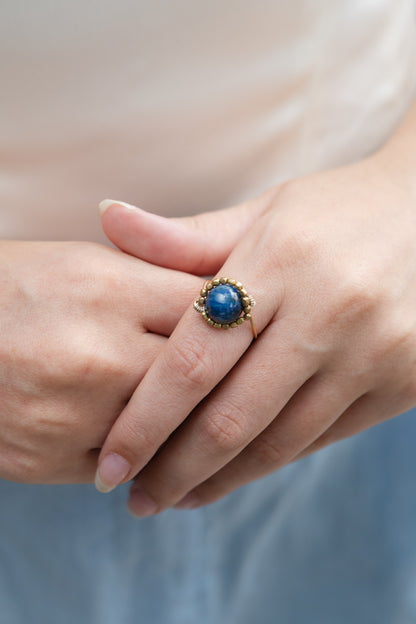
253 328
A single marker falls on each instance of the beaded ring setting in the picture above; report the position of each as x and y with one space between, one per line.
224 303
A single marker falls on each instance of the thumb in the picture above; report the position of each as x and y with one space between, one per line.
198 244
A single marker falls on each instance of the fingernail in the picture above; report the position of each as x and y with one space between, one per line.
106 203
140 504
190 501
111 472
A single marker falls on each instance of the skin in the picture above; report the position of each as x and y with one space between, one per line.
81 323
331 261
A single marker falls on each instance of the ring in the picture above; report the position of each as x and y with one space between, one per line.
225 303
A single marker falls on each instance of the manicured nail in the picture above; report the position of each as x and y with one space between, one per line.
106 203
111 472
190 501
140 504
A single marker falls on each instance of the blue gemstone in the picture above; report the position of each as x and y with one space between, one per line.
223 304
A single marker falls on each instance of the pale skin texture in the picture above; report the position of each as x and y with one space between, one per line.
80 325
331 261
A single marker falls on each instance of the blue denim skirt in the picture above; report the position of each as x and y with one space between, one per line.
328 540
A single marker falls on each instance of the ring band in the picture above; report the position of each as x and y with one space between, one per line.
225 303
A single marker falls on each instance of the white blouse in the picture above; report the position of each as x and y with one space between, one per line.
185 106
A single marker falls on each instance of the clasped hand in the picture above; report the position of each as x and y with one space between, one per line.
80 325
331 262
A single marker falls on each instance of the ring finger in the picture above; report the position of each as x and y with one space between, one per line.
232 416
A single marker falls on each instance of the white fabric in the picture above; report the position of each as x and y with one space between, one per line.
187 106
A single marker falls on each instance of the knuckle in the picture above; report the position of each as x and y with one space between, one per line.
102 366
399 338
23 467
87 366
393 354
268 452
192 364
63 369
355 299
225 428
360 296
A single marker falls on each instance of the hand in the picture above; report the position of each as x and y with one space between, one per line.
81 324
331 262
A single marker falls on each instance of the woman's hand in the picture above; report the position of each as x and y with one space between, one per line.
331 262
80 325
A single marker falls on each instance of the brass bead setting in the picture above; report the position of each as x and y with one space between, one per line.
246 302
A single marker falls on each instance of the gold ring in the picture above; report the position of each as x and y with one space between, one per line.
225 303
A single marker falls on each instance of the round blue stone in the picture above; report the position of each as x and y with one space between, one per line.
223 304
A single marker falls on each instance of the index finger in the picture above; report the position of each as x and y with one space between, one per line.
194 360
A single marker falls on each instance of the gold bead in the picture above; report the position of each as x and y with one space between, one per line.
210 322
225 326
239 321
217 324
223 280
204 315
201 300
244 292
248 317
246 301
216 282
209 286
203 293
239 285
232 282
233 324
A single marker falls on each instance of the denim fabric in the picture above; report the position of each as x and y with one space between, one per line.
328 540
